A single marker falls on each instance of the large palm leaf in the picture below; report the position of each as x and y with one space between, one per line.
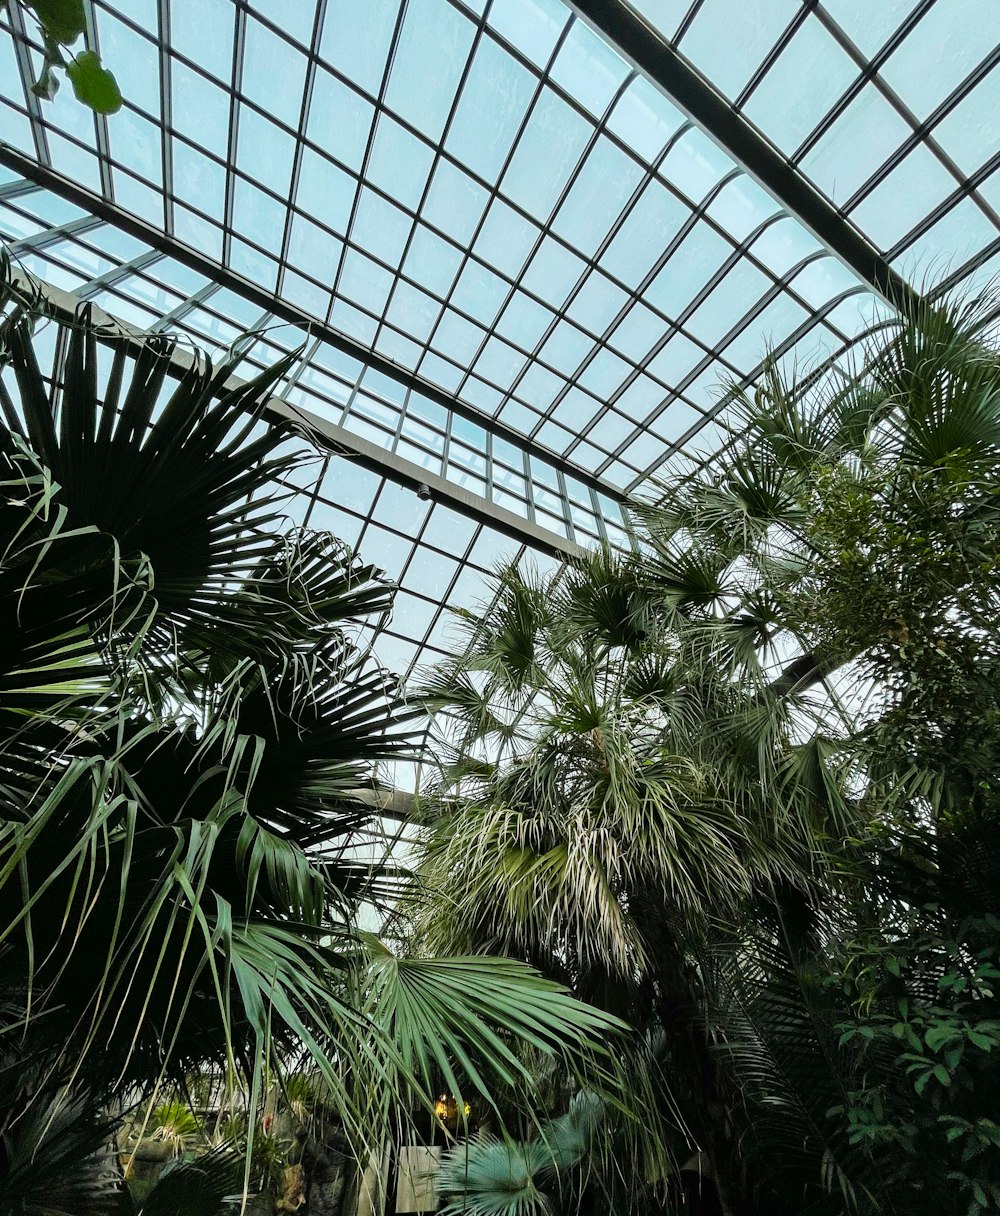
174 473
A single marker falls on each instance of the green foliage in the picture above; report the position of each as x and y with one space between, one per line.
175 1124
190 735
61 23
491 1177
55 1160
927 1016
685 781
93 84
210 1186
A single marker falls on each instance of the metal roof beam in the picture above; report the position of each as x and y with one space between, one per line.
269 302
666 68
64 306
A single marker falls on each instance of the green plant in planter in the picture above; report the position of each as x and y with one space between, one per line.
175 1125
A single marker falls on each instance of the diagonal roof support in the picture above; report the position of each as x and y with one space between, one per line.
269 302
666 68
64 306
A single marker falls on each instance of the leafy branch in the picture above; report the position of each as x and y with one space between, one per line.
60 24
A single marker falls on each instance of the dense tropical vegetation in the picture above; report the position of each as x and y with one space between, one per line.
706 916
740 788
191 725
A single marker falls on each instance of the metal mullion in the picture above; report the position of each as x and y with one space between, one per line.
117 273
63 304
967 268
602 528
249 290
815 315
102 141
966 190
590 261
671 324
641 366
868 68
33 105
164 18
292 377
716 354
746 380
446 449
304 110
400 419
366 158
780 285
687 21
437 156
742 381
675 324
698 212
667 69
767 63
235 103
488 454
493 193
491 190
176 315
515 52
49 236
463 563
567 510
312 494
922 133
15 189
529 496
828 364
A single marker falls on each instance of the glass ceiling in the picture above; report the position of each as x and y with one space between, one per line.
887 106
512 261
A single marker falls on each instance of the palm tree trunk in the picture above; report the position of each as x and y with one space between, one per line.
713 1097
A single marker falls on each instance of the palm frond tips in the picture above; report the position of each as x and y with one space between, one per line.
181 477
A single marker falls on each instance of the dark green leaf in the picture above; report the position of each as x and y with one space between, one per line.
93 84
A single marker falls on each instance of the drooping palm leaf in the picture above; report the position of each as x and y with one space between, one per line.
462 1019
58 1159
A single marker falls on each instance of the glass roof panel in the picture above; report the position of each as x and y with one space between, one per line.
968 131
884 107
809 75
938 54
728 41
492 198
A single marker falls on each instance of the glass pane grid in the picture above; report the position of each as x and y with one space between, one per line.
541 235
521 342
324 381
887 109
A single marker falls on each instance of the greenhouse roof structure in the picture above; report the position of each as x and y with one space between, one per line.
522 243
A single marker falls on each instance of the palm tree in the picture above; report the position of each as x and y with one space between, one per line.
648 746
618 822
188 725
